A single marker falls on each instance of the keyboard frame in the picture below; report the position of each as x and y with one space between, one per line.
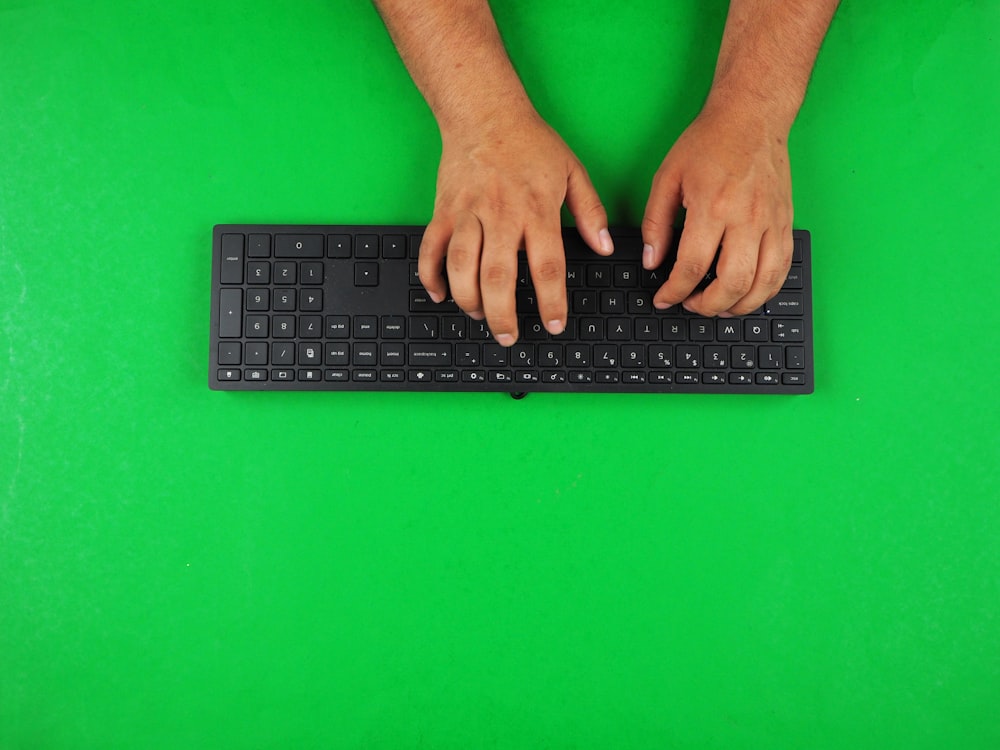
627 248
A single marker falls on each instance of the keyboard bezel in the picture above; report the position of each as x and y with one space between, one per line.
628 248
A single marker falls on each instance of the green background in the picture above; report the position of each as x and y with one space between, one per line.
185 568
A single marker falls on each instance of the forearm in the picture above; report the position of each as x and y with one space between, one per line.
455 55
767 55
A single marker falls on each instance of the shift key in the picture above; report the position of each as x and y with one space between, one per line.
230 313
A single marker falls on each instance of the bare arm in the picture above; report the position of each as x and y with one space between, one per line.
504 172
730 168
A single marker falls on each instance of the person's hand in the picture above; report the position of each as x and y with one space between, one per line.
731 174
497 192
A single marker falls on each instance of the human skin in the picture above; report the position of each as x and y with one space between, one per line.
505 174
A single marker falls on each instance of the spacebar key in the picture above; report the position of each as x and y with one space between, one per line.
230 313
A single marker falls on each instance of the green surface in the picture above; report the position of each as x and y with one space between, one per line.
188 569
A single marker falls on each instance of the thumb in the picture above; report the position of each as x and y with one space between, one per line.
586 207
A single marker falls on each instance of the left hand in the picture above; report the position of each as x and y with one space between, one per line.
731 173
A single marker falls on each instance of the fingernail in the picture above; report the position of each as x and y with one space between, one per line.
607 244
555 327
477 315
435 296
661 305
505 339
647 256
725 314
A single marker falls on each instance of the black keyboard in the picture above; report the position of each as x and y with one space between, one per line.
340 308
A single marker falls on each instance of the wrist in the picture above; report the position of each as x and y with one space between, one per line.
756 112
491 119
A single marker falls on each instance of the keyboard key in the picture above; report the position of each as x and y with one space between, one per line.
285 272
366 327
689 357
338 354
701 329
727 330
231 313
366 274
232 259
259 246
258 300
230 353
423 327
795 357
619 329
366 246
755 330
716 357
259 272
284 300
393 327
298 246
310 354
311 273
633 356
257 326
394 246
338 326
282 353
338 246
784 303
468 355
661 356
365 355
311 300
770 358
256 353
283 326
787 331
392 354
430 355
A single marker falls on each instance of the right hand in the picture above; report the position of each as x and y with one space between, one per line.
499 191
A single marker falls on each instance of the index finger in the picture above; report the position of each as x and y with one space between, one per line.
430 261
696 251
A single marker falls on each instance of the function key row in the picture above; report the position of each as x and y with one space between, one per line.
236 247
